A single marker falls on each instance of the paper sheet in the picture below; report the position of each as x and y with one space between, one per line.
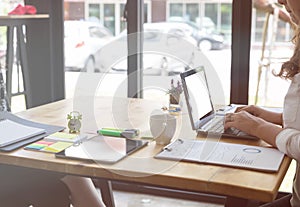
220 153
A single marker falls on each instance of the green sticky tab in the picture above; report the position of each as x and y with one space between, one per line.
57 147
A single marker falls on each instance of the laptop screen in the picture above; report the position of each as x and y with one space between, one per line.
197 96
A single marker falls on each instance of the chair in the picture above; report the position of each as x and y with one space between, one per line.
264 61
268 43
16 59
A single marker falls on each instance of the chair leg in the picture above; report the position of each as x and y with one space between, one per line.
106 191
262 57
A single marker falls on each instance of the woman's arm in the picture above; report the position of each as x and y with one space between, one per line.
288 141
267 115
253 125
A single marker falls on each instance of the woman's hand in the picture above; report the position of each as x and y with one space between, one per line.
244 121
252 125
252 109
267 115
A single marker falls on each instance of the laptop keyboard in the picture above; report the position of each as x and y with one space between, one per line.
217 126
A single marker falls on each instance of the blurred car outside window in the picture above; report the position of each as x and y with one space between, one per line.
83 41
165 50
206 36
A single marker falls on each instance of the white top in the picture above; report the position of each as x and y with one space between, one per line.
288 141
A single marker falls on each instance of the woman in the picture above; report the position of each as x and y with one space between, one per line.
264 124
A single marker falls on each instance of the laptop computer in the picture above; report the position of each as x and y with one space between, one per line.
201 111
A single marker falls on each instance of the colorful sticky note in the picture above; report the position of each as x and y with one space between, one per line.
42 142
57 147
38 145
35 146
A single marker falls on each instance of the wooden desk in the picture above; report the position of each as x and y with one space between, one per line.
238 185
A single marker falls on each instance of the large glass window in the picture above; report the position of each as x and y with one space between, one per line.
212 16
76 11
212 19
176 10
259 26
123 24
94 11
109 17
226 14
192 12
211 11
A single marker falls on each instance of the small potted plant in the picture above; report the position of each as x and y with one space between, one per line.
175 92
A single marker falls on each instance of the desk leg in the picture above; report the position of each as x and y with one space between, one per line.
238 202
106 191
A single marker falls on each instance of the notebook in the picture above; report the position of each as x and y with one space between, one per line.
12 132
201 111
220 153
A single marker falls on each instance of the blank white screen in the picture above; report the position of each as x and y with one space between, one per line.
199 98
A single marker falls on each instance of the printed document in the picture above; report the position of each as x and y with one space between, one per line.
220 153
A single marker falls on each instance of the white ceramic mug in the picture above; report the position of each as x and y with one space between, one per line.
162 127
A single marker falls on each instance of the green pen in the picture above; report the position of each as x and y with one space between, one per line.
110 132
112 129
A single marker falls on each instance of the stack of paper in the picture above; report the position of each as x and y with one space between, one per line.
12 132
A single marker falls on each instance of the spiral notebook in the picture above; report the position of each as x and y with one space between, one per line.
12 132
220 153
